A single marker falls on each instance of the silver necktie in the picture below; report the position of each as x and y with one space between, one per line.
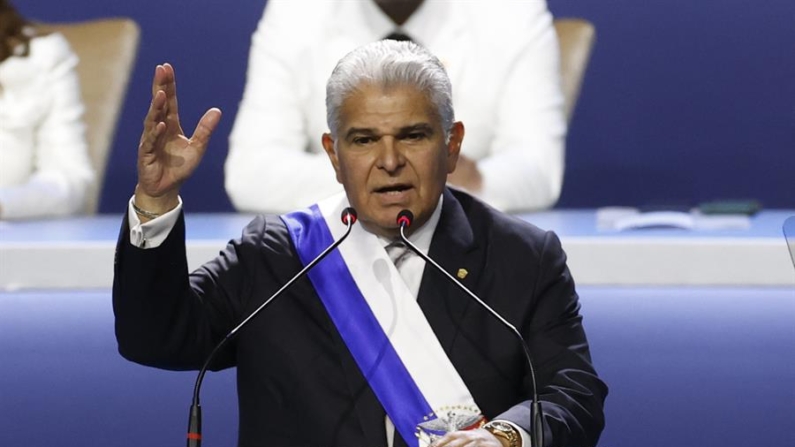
398 252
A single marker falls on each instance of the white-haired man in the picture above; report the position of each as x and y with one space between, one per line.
369 350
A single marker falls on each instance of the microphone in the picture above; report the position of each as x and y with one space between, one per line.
195 418
404 220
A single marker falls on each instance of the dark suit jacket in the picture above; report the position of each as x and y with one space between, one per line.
298 385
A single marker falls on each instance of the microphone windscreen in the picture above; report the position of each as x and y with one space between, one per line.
405 218
349 214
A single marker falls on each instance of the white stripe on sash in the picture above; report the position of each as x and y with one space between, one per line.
382 324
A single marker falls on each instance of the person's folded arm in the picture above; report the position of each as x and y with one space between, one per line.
269 167
524 168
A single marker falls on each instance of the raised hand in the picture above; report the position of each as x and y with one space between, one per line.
166 157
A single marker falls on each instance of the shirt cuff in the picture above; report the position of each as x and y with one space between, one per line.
151 234
522 433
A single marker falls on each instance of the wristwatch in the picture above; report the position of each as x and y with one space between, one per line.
504 430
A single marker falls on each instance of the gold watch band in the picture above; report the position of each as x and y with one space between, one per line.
505 431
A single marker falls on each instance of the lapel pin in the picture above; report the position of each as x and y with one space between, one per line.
462 273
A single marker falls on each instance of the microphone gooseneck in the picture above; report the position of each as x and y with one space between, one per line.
195 419
404 220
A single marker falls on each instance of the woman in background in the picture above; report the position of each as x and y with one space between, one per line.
44 165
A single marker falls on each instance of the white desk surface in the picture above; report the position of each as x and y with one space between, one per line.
78 252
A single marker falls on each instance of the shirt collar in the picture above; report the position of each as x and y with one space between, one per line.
421 26
423 236
379 24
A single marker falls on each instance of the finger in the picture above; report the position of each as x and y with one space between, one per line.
155 113
151 140
466 441
158 79
165 81
170 87
444 441
206 127
464 438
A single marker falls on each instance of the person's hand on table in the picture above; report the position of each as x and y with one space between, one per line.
479 437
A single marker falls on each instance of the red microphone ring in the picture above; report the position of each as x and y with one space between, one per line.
349 214
405 218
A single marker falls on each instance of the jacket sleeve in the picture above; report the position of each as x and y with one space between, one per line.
168 318
571 394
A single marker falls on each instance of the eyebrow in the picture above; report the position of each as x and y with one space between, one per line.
359 131
425 127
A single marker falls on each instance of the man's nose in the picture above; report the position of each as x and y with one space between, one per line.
390 155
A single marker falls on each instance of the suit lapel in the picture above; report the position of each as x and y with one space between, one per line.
454 248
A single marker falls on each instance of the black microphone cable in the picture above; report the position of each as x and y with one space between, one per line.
195 417
404 220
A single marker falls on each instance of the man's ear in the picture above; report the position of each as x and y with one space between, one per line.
454 145
328 146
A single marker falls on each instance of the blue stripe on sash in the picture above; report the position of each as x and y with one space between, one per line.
359 328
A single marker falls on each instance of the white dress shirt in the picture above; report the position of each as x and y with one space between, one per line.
44 165
503 61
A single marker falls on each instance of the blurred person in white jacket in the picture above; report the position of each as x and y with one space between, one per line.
45 169
502 57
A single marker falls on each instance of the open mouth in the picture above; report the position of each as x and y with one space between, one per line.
393 189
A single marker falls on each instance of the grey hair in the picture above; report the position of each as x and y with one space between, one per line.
388 64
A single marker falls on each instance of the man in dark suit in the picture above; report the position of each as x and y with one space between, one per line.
327 365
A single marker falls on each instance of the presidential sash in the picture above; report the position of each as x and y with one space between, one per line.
383 326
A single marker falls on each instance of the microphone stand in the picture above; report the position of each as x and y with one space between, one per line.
404 220
195 417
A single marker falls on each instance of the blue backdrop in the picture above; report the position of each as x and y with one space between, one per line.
684 101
